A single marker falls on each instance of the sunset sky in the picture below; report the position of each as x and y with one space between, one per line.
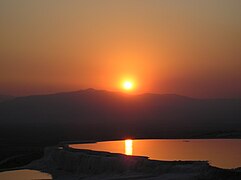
186 47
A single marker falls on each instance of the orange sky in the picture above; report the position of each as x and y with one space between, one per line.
187 47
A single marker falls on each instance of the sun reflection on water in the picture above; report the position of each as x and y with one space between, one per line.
128 146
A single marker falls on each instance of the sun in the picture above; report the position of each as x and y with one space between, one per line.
127 85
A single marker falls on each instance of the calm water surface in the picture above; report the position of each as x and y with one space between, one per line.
224 153
24 174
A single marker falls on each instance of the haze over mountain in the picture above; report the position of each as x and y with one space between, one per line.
99 114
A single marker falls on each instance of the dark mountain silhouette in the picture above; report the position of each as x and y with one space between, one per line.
98 114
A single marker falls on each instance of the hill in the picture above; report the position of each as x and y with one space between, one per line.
98 114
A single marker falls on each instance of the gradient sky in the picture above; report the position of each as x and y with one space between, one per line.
187 47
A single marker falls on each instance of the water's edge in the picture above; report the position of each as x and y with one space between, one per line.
60 160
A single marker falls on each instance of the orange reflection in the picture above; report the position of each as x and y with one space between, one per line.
221 153
128 146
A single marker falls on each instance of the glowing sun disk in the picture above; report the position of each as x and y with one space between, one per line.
127 85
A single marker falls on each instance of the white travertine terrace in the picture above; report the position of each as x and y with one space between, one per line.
104 165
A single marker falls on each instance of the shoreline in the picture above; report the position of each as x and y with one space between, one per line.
95 164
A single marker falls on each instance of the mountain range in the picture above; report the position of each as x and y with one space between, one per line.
100 115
